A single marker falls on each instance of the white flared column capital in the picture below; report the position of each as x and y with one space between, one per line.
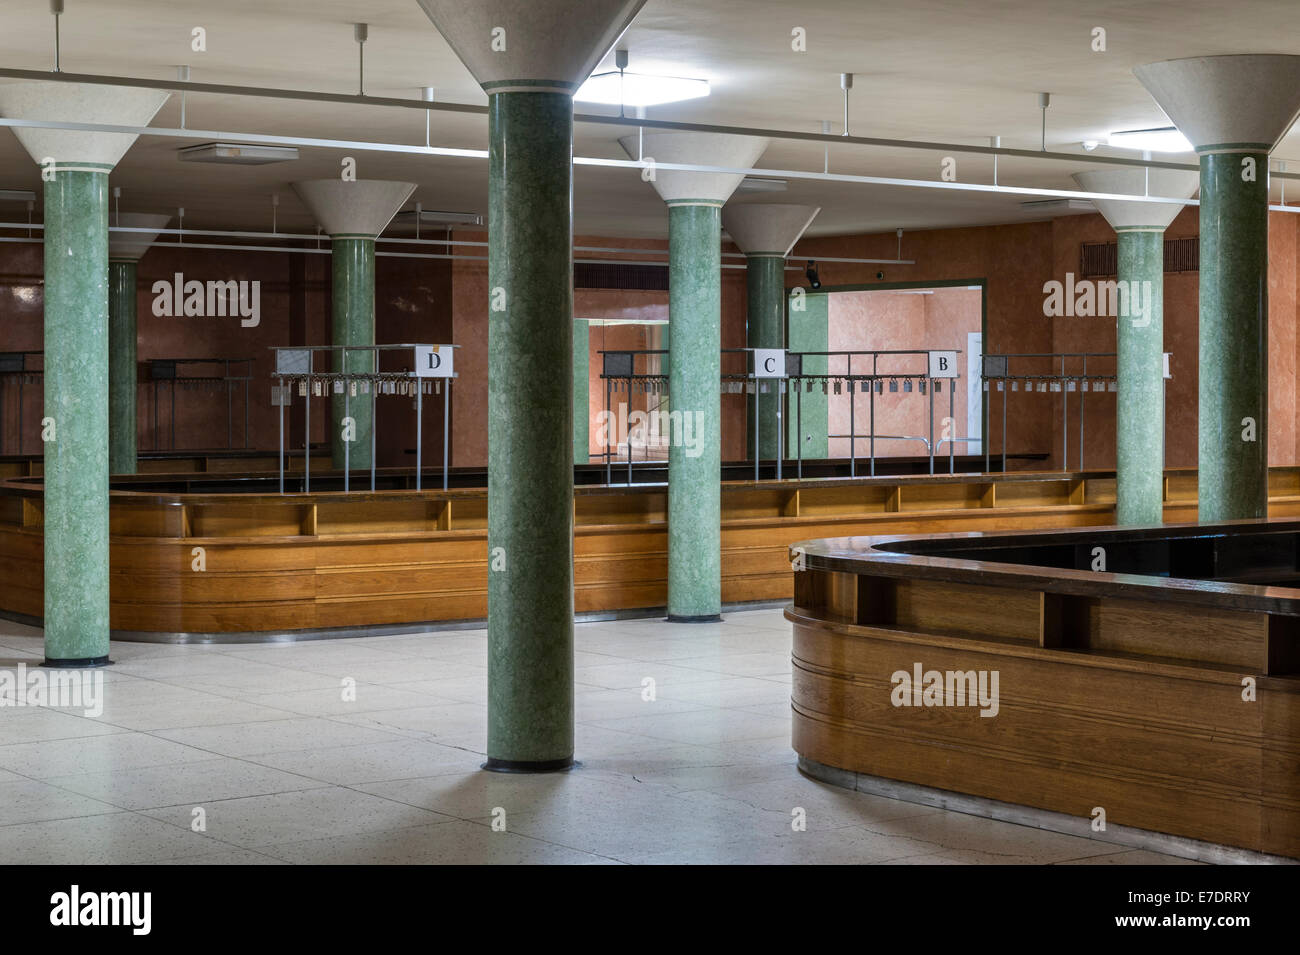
531 45
72 149
130 246
679 188
1132 181
1227 102
767 228
361 207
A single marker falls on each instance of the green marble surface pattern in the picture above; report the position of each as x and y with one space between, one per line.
765 303
530 428
76 398
810 410
581 391
1233 472
352 268
121 367
1140 419
695 369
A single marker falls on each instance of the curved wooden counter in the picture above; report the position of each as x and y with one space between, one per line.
1164 690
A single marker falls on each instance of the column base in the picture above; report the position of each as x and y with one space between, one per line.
698 618
494 765
77 663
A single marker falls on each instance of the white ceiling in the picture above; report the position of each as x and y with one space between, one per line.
946 70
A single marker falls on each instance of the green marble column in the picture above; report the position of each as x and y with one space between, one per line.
765 283
581 391
1233 455
695 370
530 436
121 366
353 323
76 399
1140 419
810 410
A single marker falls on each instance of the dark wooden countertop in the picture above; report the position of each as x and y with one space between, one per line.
939 557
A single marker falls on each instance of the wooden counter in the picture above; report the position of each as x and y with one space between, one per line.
1164 690
348 560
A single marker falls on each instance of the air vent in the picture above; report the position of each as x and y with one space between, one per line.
1100 259
616 275
236 154
1057 207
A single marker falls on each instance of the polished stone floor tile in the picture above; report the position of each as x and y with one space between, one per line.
369 751
274 736
31 800
113 752
449 843
329 813
119 838
402 758
196 783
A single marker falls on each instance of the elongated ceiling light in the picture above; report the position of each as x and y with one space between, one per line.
620 88
1166 139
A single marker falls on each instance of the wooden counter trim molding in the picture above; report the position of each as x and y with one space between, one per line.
1171 713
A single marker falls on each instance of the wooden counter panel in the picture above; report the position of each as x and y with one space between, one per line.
643 508
234 519
1186 756
1036 493
1219 748
364 517
933 606
1147 804
825 500
1216 637
937 497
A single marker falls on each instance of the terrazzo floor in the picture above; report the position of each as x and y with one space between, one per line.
255 747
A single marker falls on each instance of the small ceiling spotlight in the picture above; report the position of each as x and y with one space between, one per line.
1089 145
814 279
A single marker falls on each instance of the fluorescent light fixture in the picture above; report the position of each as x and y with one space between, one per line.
237 154
758 184
440 218
1166 139
639 89
17 195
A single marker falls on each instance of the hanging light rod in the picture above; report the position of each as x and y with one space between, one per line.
421 104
